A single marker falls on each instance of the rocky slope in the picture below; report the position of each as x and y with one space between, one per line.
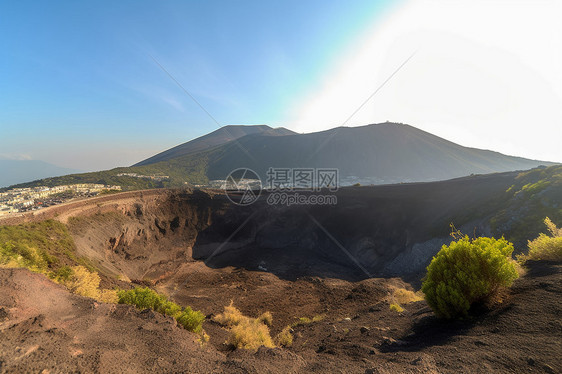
45 329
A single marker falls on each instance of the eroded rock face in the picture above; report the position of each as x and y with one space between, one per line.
145 238
377 231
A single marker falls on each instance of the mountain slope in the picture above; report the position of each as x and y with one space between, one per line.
373 154
221 136
20 171
383 153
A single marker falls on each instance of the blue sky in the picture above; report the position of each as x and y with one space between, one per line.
79 88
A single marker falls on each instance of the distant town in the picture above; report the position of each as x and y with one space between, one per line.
19 200
157 178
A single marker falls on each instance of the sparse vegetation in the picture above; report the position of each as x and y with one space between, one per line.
285 337
46 247
546 247
83 282
534 195
108 192
250 334
40 247
305 320
230 317
404 296
187 169
467 272
266 318
145 298
245 332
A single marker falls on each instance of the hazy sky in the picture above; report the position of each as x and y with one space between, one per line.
79 86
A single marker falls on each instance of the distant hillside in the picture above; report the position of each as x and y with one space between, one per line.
383 153
373 154
21 171
221 136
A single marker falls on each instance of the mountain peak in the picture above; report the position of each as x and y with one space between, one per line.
216 138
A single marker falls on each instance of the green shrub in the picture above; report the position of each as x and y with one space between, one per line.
546 247
26 256
466 272
63 274
191 320
170 308
145 298
396 308
142 298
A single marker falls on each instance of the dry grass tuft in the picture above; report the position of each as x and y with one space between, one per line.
245 332
404 296
266 318
250 334
230 317
285 337
305 320
545 247
83 282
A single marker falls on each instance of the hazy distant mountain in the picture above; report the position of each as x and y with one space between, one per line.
221 136
373 154
21 171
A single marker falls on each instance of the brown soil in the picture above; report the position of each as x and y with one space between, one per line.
43 328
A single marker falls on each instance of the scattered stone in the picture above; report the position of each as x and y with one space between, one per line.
347 319
4 315
388 341
364 329
416 361
531 361
548 369
382 328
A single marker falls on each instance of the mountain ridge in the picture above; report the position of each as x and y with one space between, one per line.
218 137
385 153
